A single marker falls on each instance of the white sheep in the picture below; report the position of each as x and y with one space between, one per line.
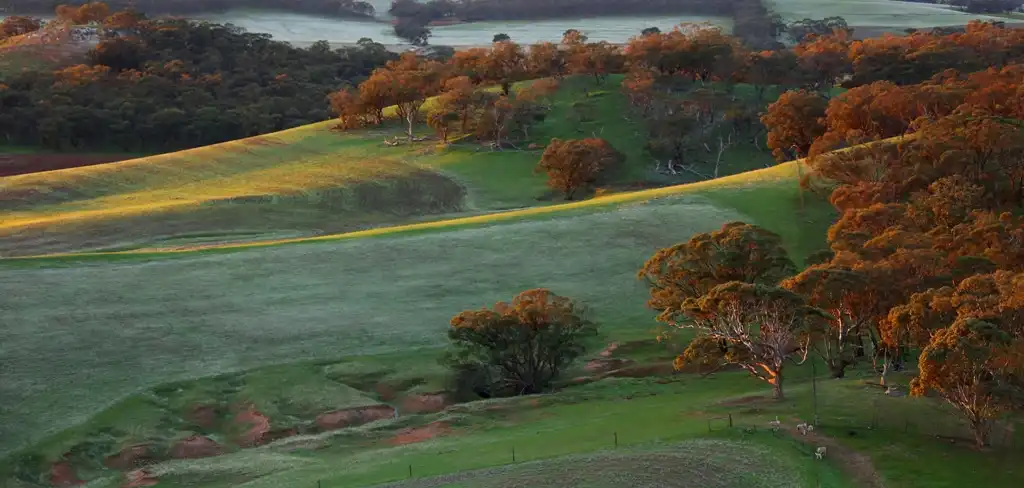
820 453
802 428
776 424
810 428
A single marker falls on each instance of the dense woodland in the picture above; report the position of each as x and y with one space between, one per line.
922 156
171 84
339 8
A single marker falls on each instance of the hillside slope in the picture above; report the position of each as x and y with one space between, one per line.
208 313
312 180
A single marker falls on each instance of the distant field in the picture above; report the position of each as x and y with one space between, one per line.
874 13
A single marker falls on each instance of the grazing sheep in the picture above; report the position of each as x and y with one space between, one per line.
804 428
820 453
776 424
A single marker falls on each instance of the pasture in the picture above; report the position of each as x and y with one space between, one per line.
208 313
875 13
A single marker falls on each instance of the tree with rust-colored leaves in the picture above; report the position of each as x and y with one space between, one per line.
975 366
521 345
794 123
766 68
824 59
405 83
845 296
351 111
756 327
17 25
575 163
459 96
545 59
736 252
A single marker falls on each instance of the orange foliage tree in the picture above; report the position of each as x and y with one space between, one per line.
845 295
794 123
972 364
700 51
16 25
574 163
736 252
825 59
756 327
523 345
405 84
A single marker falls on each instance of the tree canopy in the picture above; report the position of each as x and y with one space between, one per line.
525 343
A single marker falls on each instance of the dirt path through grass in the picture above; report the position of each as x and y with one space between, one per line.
854 464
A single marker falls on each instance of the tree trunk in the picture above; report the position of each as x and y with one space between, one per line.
776 383
885 371
506 87
981 430
837 368
409 118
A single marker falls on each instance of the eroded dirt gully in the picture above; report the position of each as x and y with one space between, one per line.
217 429
245 427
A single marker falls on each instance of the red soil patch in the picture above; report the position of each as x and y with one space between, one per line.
204 416
258 427
607 352
19 164
425 403
195 447
62 474
353 416
605 364
130 457
420 434
139 478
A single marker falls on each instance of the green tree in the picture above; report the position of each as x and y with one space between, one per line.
525 343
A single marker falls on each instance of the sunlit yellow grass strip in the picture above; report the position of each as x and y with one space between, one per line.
785 171
295 179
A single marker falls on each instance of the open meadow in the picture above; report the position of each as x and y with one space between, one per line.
875 13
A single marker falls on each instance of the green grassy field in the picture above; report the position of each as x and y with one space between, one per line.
874 13
216 312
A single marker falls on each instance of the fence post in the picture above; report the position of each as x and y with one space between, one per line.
513 454
616 439
709 425
730 420
906 425
410 471
317 483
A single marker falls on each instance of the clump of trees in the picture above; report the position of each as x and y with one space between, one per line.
18 25
518 347
928 178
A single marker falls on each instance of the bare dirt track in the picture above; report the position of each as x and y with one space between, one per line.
20 164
